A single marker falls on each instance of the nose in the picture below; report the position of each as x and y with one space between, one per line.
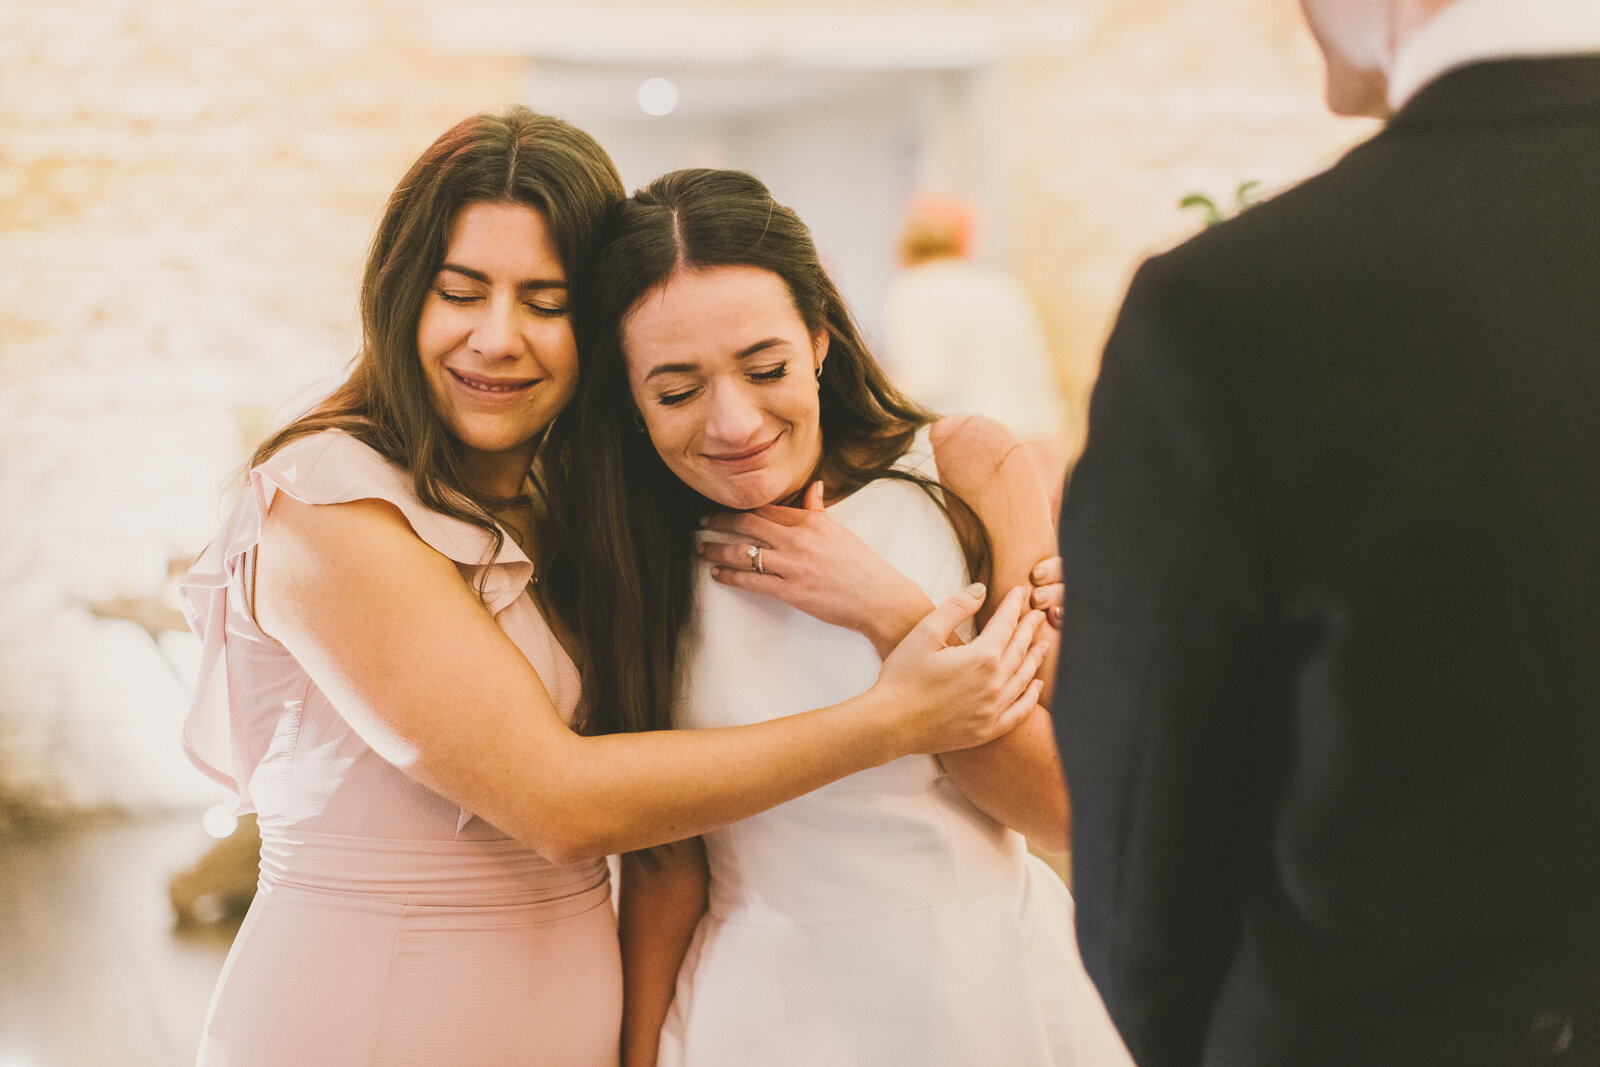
494 331
734 418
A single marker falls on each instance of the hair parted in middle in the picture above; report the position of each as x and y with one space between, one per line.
626 580
514 157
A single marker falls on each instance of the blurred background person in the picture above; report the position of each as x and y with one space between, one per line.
962 336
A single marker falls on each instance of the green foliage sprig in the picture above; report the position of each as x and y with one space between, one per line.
1244 197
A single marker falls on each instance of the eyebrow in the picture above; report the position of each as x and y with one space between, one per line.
479 276
689 368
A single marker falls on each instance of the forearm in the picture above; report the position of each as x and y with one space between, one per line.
658 910
1016 780
894 616
623 792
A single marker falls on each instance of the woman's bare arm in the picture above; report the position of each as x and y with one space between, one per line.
1016 778
659 905
401 645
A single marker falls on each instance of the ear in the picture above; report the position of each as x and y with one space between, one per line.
819 347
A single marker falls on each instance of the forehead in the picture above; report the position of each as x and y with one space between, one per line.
511 233
712 311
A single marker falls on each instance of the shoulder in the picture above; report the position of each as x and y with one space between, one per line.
1314 225
328 466
333 467
972 451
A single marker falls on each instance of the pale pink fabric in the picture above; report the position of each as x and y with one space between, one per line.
392 927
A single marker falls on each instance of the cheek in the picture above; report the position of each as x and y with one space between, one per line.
802 409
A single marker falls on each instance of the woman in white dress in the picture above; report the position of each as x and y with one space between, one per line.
895 916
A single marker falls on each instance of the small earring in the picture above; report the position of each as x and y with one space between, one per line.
819 372
638 422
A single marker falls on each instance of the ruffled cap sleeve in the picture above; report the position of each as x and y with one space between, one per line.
231 722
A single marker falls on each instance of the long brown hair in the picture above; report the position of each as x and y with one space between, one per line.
625 581
517 156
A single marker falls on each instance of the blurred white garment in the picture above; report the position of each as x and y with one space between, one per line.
1470 31
964 338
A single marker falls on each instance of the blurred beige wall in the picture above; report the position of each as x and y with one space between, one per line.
187 188
186 191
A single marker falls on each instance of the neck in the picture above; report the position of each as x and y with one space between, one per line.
497 476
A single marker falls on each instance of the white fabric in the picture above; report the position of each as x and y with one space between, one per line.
883 919
963 337
1469 31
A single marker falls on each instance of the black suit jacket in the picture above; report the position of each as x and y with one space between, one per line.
1329 695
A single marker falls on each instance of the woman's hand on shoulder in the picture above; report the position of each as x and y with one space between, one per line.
815 565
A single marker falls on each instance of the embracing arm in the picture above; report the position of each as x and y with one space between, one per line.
401 645
659 904
1015 778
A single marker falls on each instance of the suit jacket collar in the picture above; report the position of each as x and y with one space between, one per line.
1507 90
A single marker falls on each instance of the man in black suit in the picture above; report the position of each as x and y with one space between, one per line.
1329 695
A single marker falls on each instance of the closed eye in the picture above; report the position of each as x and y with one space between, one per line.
673 399
771 374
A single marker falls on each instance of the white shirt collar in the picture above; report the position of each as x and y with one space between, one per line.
1472 30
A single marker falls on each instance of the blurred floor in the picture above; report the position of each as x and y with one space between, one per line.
91 973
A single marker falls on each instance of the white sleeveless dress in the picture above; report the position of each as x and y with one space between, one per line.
883 919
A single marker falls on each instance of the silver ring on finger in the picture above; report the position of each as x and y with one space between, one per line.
754 552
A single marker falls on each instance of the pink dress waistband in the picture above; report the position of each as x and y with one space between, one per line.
498 872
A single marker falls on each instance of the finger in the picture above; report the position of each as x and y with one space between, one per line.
737 557
1054 616
814 497
1019 709
751 582
1047 596
783 516
998 631
1046 571
1023 640
934 630
1023 678
751 525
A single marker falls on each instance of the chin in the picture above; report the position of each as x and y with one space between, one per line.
733 496
1358 94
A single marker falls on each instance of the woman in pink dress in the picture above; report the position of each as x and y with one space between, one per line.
382 684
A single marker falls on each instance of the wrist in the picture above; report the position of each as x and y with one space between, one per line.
879 726
895 617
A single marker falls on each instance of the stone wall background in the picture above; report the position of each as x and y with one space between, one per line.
187 188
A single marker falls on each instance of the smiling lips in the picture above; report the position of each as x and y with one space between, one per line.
491 387
749 459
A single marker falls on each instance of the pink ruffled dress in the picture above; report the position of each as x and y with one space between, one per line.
391 927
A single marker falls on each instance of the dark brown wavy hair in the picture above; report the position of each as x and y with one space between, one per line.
624 579
515 157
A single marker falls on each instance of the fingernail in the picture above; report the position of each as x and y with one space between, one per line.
1037 574
1037 600
1055 615
975 589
